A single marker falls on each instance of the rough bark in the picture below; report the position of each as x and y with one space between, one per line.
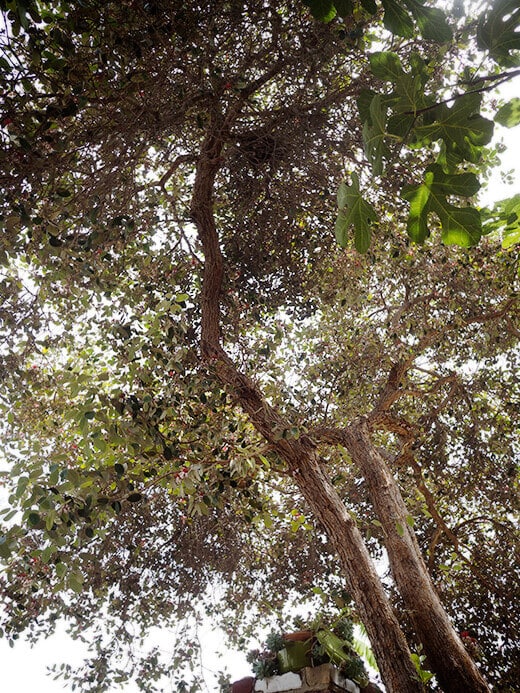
389 644
453 666
390 647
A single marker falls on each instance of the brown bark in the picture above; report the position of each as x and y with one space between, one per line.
300 455
447 656
389 644
388 641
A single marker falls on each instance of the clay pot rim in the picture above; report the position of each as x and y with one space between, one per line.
298 636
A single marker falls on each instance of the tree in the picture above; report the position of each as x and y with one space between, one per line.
192 366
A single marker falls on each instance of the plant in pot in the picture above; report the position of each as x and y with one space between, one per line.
264 663
334 644
282 654
317 642
296 651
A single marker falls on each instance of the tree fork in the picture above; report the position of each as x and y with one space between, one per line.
456 671
388 641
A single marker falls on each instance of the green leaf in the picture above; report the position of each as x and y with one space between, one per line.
100 444
399 529
334 647
498 32
5 547
386 66
358 213
342 194
461 127
431 21
400 125
363 103
324 10
47 553
504 218
344 8
509 114
61 569
423 674
135 497
49 520
295 526
397 19
75 582
460 225
374 134
34 518
369 5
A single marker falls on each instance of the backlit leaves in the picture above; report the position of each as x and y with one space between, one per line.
509 114
324 10
408 95
431 21
397 19
498 32
461 127
401 18
460 225
407 116
354 211
504 218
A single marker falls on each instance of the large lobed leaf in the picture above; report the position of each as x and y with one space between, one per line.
461 127
498 32
354 211
460 225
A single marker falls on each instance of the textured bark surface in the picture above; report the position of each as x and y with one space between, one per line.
389 644
447 656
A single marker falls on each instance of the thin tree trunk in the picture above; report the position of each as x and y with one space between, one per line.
447 657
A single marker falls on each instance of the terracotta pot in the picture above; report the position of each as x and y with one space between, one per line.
245 685
298 636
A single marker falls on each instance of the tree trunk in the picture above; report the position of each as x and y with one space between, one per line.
456 671
446 655
387 639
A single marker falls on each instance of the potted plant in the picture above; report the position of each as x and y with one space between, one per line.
296 653
264 663
314 643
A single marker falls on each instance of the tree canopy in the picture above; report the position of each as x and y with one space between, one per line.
257 330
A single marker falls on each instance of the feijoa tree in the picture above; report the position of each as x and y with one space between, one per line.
201 387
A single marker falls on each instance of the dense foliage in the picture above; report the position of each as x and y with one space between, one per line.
138 484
